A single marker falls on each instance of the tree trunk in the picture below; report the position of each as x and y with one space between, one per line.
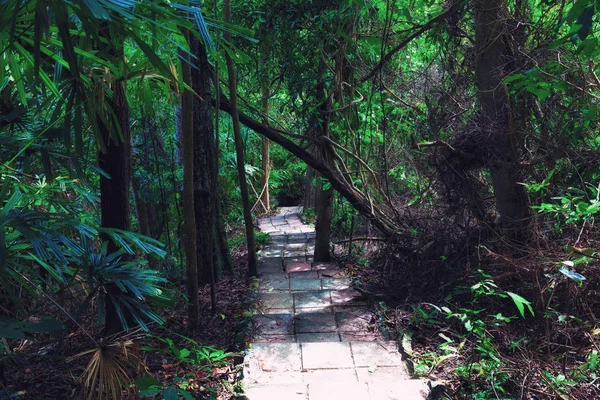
493 52
115 160
311 190
239 147
324 194
189 228
224 260
205 187
266 162
142 211
323 225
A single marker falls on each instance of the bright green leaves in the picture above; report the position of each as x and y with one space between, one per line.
521 303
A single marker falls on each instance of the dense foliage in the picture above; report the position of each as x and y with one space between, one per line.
451 142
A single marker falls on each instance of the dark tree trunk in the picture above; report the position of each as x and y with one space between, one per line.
311 189
205 187
492 44
115 160
266 162
324 194
189 228
239 150
223 255
143 217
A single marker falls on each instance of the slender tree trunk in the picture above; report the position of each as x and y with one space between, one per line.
324 194
142 211
189 228
115 160
266 162
311 190
239 147
205 187
224 260
493 52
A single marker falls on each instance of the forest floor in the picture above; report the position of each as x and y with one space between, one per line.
203 361
460 325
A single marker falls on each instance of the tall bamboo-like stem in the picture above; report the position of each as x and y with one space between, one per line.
239 150
266 162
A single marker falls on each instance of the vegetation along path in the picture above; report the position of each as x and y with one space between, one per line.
314 336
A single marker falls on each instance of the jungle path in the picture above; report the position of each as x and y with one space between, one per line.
314 337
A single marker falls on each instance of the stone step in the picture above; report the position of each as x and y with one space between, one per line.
327 389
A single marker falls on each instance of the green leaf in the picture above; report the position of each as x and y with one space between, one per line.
521 302
170 394
146 382
185 395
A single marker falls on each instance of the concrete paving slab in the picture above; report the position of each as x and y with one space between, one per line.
274 357
272 324
381 354
361 337
294 253
354 321
317 337
273 282
273 338
332 273
382 375
312 299
275 300
271 253
317 376
345 391
305 284
315 322
296 266
336 283
326 355
322 309
270 262
413 389
347 297
324 265
295 246
294 259
304 275
291 392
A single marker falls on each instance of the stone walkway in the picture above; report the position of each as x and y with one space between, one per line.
313 335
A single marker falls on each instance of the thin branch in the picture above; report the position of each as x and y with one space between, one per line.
424 28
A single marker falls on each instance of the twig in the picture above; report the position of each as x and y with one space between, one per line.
362 239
